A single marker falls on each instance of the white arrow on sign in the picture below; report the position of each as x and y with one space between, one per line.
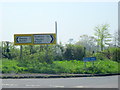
24 39
43 39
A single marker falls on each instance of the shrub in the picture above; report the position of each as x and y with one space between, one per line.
10 66
115 53
73 52
100 55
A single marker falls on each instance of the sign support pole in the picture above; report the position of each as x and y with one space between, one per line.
85 56
85 65
93 66
93 63
20 52
47 54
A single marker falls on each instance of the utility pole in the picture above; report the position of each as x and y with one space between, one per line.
56 30
119 24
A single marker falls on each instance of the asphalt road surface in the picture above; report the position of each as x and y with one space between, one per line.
79 82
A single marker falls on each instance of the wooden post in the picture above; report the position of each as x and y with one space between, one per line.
31 49
47 54
84 52
85 56
85 65
20 52
92 63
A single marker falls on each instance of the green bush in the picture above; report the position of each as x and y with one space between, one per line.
100 67
99 56
73 52
115 53
10 66
112 53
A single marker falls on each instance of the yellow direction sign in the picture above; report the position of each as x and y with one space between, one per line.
34 39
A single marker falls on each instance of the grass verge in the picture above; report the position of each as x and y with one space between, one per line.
61 67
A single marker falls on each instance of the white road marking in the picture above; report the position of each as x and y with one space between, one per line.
56 86
33 85
9 84
59 86
5 84
79 86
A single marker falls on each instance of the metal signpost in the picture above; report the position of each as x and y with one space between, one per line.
36 39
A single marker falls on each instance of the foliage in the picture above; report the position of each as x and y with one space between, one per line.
58 52
111 53
68 54
57 59
10 66
103 36
59 67
100 55
114 54
89 42
9 50
73 52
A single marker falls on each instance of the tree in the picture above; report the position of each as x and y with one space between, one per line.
89 42
58 51
68 54
6 50
71 40
103 35
115 39
118 38
73 52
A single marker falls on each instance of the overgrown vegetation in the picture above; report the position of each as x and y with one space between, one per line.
60 58
58 67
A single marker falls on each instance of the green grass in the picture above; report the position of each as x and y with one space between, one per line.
59 67
100 67
11 66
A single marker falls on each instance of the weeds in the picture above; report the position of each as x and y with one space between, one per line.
59 67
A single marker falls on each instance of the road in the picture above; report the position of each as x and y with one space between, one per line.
79 82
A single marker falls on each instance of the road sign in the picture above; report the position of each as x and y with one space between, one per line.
86 59
34 39
22 39
43 39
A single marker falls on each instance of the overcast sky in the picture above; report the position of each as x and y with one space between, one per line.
73 18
